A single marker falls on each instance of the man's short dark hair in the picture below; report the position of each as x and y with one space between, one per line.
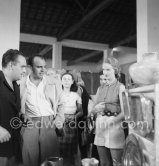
30 60
10 55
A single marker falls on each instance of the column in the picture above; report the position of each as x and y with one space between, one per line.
57 55
9 25
106 54
147 27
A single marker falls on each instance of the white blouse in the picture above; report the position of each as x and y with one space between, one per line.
69 102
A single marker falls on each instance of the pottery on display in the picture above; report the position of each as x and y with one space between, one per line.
53 161
146 71
90 162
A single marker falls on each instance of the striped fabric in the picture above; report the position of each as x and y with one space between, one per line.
69 142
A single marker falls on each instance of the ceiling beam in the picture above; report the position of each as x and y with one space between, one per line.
30 38
84 45
90 3
80 5
87 56
45 50
90 15
124 41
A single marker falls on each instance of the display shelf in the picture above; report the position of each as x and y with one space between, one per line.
143 89
155 90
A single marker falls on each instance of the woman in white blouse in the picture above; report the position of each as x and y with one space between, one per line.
70 103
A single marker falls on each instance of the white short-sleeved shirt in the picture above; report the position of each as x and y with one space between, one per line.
69 102
36 104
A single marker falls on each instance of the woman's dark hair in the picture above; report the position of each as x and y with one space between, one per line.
117 76
101 72
10 55
74 86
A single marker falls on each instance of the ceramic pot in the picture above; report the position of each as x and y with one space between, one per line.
146 71
90 162
53 161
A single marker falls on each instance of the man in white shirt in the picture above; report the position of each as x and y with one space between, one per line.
38 107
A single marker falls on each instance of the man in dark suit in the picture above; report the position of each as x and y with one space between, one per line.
13 67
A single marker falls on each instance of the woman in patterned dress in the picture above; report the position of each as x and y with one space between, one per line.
71 106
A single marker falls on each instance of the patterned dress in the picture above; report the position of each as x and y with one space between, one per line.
69 142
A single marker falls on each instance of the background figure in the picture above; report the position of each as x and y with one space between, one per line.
51 71
109 136
61 72
83 119
54 77
93 149
38 107
70 103
102 79
13 67
77 77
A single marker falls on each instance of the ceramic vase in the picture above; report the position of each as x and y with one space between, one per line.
146 71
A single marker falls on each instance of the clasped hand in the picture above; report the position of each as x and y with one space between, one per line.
4 135
100 107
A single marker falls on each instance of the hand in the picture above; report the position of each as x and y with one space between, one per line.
71 117
4 135
60 105
59 125
60 132
25 119
100 107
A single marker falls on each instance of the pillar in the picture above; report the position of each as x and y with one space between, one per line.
106 54
147 27
57 55
9 25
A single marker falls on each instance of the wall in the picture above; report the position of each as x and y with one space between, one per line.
87 67
125 55
9 25
147 26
